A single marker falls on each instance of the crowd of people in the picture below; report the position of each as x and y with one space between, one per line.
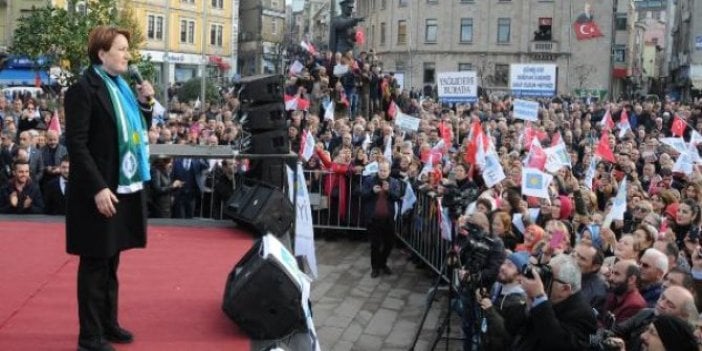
563 274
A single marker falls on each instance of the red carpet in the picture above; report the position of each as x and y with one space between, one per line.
170 293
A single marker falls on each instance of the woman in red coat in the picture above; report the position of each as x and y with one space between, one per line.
336 182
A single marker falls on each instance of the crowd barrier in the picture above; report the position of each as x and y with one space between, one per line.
418 228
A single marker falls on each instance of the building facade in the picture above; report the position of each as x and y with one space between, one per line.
421 38
686 59
262 30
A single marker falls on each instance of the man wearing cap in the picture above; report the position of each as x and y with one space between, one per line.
505 309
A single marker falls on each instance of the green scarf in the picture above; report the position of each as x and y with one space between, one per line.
132 135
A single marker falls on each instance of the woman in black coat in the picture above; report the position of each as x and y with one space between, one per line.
106 208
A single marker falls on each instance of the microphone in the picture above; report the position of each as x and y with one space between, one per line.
136 75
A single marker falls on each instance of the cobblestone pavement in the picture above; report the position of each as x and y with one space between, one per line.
353 311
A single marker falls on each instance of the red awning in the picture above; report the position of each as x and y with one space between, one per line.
619 73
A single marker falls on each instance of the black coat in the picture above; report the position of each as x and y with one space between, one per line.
561 327
54 199
91 139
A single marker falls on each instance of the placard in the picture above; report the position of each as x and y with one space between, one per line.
457 86
407 122
526 110
532 79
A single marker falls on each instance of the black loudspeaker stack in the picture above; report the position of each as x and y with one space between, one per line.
261 209
263 295
263 110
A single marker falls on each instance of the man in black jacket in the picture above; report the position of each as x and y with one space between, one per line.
559 317
55 190
20 195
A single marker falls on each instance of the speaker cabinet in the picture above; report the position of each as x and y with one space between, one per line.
263 293
264 117
261 208
261 89
273 142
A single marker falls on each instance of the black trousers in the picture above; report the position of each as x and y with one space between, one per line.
381 232
97 295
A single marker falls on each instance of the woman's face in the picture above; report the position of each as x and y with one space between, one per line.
691 192
460 173
497 227
625 247
657 203
641 240
556 209
116 60
684 214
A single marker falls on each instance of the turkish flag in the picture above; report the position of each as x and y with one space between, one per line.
587 30
678 128
603 150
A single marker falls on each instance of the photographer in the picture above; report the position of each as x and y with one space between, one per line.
505 309
559 317
481 256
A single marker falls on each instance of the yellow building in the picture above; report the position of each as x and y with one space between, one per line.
173 31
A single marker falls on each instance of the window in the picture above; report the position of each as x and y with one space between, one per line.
430 31
465 67
154 27
218 4
187 31
383 4
544 32
501 74
466 30
429 72
274 26
403 3
274 4
503 28
382 33
620 53
188 1
401 32
400 66
620 21
216 34
432 2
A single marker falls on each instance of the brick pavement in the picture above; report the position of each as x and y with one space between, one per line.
353 311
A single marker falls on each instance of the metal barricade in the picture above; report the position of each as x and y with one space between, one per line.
335 200
420 230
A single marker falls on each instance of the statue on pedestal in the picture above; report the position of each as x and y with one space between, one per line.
342 36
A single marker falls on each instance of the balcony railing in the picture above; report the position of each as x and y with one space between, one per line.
543 47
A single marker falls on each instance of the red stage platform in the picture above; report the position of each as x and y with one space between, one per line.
170 293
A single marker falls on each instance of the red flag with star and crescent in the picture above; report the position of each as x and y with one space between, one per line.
678 127
586 30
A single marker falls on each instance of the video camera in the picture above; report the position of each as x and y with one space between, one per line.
457 200
475 250
543 270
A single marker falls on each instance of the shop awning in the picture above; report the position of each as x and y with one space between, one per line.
22 77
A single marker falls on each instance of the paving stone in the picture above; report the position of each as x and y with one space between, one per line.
392 303
343 346
368 343
402 333
398 293
353 332
339 321
339 291
381 323
328 336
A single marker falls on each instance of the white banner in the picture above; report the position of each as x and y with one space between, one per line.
526 110
457 86
619 205
304 232
492 172
532 79
407 122
535 183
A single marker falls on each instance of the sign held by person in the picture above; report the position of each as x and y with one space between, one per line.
532 79
457 86
526 110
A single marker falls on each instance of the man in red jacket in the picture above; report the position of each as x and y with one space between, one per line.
624 299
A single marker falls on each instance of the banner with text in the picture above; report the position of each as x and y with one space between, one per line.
457 86
407 122
526 110
532 79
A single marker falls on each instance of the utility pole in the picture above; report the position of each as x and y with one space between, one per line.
612 50
203 78
166 60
